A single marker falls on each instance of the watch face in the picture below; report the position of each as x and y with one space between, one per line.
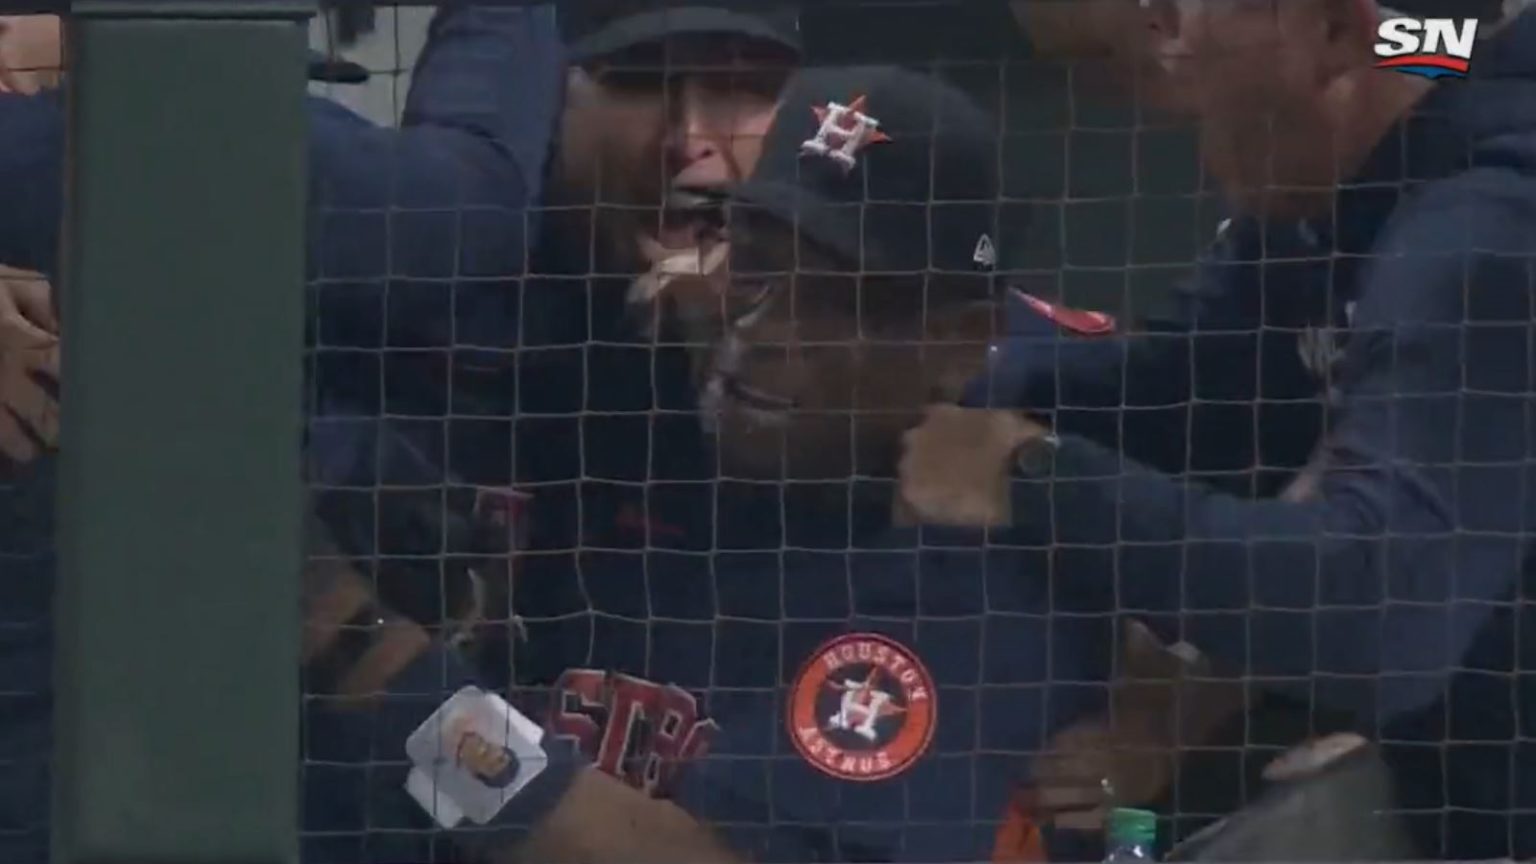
476 753
1037 455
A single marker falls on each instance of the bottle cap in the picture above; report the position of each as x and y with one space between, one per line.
1132 827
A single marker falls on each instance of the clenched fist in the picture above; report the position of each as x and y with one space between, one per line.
29 365
1164 700
955 466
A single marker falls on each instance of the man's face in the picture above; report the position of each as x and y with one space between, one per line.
1106 41
805 369
1264 79
654 134
1225 59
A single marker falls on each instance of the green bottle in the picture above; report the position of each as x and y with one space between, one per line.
1132 835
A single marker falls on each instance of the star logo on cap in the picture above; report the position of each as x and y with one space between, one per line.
842 133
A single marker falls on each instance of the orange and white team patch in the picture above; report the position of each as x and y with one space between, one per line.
862 708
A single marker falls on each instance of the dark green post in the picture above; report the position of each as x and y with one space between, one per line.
180 489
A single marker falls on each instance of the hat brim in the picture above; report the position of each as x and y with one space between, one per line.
877 236
813 218
654 26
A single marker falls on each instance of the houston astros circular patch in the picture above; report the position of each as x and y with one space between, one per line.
862 708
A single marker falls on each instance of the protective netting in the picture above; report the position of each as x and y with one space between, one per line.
607 396
538 493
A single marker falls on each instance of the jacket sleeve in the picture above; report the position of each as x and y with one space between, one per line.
445 194
1039 367
31 175
356 808
1043 366
1366 591
1084 383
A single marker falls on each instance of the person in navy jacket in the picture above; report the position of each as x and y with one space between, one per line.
475 134
422 249
756 660
1315 472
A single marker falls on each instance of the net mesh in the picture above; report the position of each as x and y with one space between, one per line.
630 608
508 456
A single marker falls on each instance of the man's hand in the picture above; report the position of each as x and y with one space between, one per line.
1164 700
339 598
31 53
599 819
29 365
955 466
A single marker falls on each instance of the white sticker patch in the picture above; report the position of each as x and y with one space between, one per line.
472 756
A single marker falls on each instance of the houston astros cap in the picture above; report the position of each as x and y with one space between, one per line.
593 28
889 168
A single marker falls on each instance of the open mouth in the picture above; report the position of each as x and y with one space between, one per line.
691 218
691 241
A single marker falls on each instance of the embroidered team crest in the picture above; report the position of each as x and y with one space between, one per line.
843 133
1083 322
862 708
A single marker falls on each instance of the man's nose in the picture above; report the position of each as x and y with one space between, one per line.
1166 21
694 146
698 152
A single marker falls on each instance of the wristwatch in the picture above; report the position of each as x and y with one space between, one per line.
1037 456
340 653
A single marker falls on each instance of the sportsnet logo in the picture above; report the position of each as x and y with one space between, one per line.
1431 47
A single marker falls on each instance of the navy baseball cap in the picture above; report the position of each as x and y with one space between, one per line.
593 29
890 169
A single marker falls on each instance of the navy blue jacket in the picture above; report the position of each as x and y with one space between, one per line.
449 189
671 636
406 224
1388 348
666 614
